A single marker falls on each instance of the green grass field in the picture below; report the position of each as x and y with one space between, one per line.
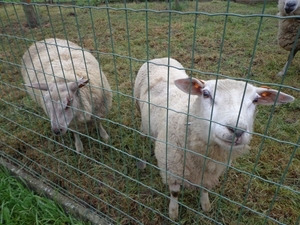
261 188
21 206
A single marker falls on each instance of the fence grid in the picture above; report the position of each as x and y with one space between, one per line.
119 180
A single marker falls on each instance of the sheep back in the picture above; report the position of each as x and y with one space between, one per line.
287 33
159 87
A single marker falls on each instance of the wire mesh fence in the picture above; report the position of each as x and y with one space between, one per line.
119 179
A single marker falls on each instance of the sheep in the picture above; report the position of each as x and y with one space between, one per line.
56 73
288 29
199 127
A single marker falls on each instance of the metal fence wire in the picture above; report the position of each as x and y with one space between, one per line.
119 179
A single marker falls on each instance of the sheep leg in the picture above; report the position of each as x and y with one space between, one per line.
143 131
173 207
103 133
204 200
78 143
291 55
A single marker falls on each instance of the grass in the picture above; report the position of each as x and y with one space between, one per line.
21 206
260 188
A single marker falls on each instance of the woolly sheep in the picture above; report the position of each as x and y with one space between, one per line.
58 71
288 28
159 86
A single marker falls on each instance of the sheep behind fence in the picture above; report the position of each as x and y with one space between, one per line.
59 71
199 133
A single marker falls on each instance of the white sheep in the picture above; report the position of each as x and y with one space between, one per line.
288 28
58 71
196 135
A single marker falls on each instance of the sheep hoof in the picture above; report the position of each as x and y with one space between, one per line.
78 143
206 206
103 134
173 213
105 138
280 74
79 147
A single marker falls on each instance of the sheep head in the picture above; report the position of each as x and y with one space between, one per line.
230 106
289 7
61 101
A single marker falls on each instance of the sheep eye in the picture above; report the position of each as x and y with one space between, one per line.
255 100
206 94
69 103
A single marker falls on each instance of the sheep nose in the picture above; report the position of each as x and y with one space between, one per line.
236 131
56 131
290 7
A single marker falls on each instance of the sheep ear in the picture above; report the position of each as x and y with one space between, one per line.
82 82
40 86
268 96
73 86
190 85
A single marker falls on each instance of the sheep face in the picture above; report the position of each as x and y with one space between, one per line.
61 102
230 107
289 7
232 123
